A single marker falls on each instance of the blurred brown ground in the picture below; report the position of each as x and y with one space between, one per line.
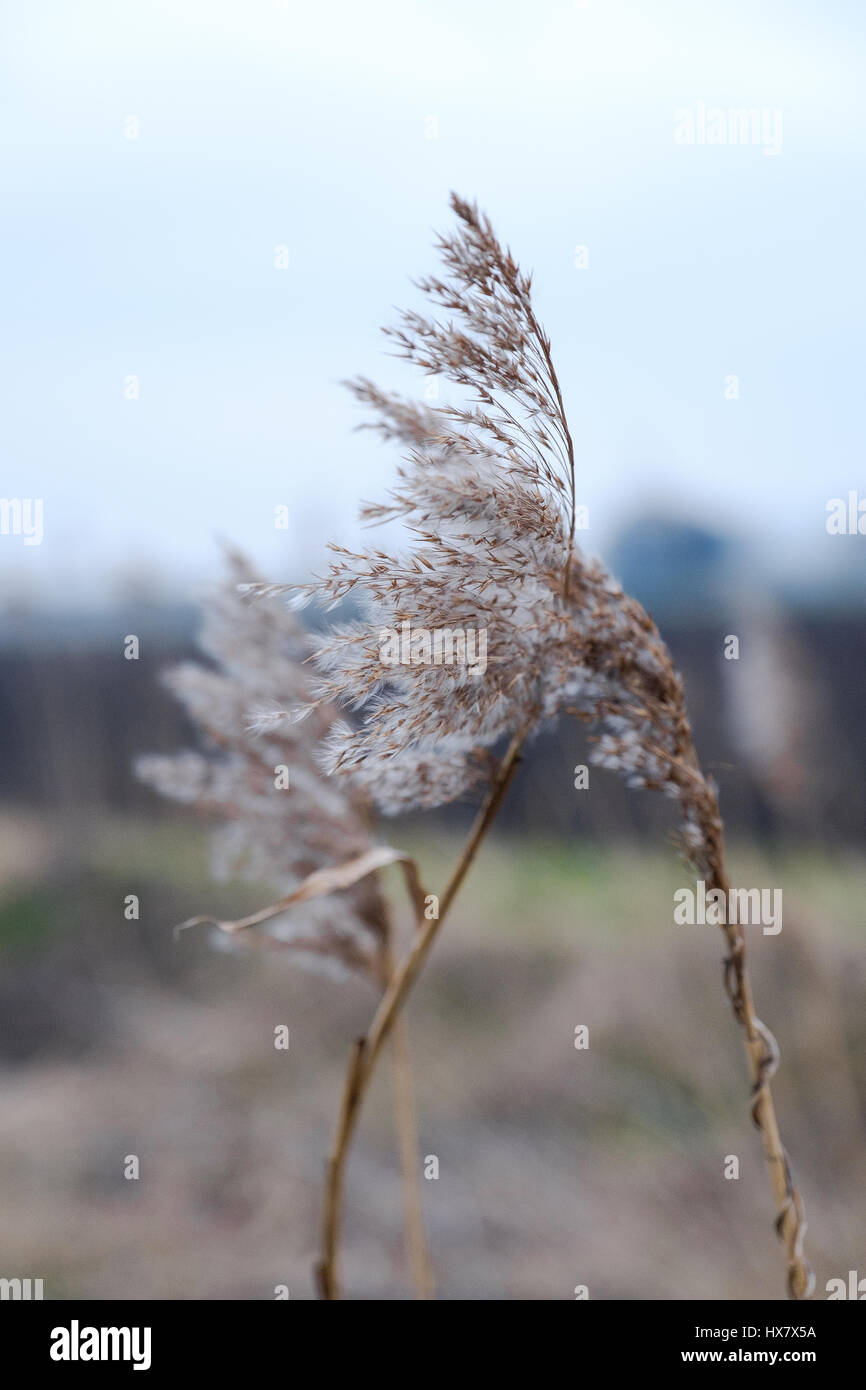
557 1167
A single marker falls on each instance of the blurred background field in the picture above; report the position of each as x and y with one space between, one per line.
210 210
557 1166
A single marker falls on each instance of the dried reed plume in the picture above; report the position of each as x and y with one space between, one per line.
309 839
487 490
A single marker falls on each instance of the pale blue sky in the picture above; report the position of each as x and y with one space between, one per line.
266 123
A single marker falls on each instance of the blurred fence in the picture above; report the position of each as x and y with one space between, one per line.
781 728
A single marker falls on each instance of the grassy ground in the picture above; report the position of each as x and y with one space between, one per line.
557 1167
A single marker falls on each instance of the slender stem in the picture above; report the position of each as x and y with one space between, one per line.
410 1160
362 1060
763 1054
760 1045
334 1172
407 1139
410 1157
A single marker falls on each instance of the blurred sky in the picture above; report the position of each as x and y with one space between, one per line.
265 123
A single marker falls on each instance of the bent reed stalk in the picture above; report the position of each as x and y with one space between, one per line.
761 1049
365 1051
487 493
487 489
406 1128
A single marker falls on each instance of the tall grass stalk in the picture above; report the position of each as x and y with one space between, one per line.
487 489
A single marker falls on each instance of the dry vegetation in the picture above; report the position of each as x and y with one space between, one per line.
487 492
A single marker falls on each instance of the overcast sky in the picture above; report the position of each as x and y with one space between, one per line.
263 124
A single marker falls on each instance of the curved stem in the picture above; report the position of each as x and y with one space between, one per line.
407 1137
362 1059
763 1054
760 1045
326 1269
410 1158
406 1126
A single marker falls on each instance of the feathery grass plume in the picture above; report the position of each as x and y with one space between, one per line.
310 840
487 492
243 704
